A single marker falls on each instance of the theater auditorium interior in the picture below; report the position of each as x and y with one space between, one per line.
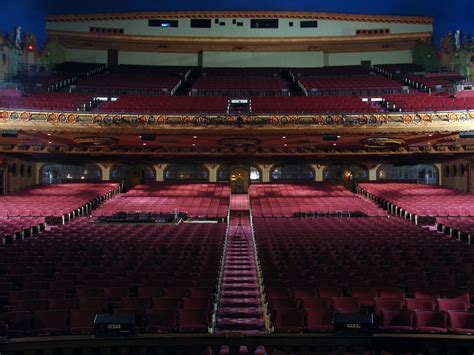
274 178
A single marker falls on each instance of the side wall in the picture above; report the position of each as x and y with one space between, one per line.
456 177
20 174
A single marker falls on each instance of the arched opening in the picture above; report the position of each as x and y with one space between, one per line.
187 172
347 175
292 172
132 175
223 174
57 173
239 180
421 173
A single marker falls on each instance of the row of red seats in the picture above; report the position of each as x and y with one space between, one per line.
284 200
431 82
427 102
56 200
18 228
366 85
392 320
460 224
421 200
197 200
153 271
376 263
239 83
310 104
332 71
168 104
48 101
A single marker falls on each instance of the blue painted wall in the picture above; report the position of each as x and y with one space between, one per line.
448 15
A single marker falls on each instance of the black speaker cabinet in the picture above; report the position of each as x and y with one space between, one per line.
353 324
114 325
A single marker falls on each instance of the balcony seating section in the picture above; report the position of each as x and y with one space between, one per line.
332 71
400 69
197 200
422 200
402 272
437 83
239 82
134 80
56 200
239 86
57 101
284 200
357 85
18 228
45 81
311 104
79 69
168 104
426 102
57 282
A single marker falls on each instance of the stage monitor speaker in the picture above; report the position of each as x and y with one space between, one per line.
466 134
330 137
9 134
148 137
114 325
353 323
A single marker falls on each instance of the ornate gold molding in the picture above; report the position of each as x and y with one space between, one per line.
80 121
237 14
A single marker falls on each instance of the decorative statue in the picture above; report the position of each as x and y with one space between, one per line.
466 40
457 39
18 37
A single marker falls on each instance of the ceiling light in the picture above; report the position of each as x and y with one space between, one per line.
50 142
194 144
334 144
430 135
49 134
284 137
144 143
338 136
195 137
285 145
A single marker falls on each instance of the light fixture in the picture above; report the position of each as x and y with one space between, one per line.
195 137
50 142
285 145
334 144
144 143
284 137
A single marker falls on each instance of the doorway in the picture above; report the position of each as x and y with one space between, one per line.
239 181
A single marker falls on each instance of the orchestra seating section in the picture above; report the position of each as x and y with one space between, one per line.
166 104
19 227
426 102
356 85
312 199
419 200
134 80
412 278
209 200
57 101
56 283
311 104
63 201
240 82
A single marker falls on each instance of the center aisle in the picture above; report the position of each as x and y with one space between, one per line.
240 303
